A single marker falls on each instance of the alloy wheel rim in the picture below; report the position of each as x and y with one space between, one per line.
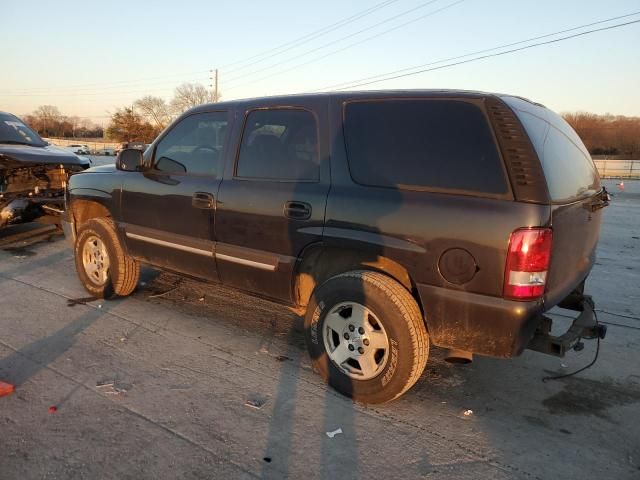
95 260
355 340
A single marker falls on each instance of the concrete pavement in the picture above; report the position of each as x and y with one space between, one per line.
180 360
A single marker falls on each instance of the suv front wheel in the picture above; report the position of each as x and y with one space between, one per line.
366 336
102 265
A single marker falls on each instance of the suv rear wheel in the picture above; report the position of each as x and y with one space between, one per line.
102 265
366 336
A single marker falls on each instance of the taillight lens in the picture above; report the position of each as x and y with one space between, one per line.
527 263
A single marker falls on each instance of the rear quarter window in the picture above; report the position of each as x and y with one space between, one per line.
568 168
423 145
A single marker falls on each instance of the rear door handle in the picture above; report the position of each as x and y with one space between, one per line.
297 210
203 200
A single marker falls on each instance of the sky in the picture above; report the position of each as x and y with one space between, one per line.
89 58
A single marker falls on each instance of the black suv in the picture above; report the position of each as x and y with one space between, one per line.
394 219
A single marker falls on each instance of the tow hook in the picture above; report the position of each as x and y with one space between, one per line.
585 326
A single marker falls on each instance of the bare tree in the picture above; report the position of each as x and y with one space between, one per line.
190 95
74 121
46 116
155 109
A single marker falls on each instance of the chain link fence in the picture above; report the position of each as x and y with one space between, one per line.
618 168
96 147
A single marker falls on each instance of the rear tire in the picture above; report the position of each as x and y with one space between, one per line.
103 267
380 319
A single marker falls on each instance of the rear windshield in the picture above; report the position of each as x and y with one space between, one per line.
14 132
567 164
423 144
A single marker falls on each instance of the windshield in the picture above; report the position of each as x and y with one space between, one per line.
14 132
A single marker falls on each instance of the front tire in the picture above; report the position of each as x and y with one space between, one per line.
366 336
103 267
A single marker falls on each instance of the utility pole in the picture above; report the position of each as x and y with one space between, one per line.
214 85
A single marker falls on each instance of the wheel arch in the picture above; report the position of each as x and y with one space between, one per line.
83 210
318 263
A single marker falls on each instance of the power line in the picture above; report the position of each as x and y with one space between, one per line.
101 91
308 37
321 47
296 42
372 37
118 83
548 42
482 51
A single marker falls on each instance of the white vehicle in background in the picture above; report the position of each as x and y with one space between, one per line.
79 149
107 151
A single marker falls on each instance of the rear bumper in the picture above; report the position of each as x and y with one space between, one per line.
480 324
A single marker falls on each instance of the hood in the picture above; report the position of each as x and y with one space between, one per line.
102 169
48 154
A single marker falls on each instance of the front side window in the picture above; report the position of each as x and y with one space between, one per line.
279 144
193 146
423 144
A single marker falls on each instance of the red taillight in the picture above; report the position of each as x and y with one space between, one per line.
527 263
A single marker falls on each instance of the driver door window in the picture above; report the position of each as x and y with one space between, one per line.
194 146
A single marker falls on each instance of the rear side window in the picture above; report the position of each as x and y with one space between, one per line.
423 144
567 165
279 144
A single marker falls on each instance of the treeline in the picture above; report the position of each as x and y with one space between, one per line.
48 121
607 134
141 122
150 115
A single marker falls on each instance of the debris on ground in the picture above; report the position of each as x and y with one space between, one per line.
72 302
110 388
6 389
156 295
467 413
334 433
256 401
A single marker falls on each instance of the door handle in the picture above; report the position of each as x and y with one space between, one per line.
297 210
203 200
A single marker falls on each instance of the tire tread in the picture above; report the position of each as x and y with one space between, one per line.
411 314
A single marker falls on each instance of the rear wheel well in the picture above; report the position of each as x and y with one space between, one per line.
321 263
85 210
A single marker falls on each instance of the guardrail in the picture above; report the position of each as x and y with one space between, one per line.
618 168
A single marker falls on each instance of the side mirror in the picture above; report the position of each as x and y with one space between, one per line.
130 160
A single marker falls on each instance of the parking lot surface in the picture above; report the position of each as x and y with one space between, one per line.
188 380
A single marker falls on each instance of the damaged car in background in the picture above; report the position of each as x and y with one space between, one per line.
33 173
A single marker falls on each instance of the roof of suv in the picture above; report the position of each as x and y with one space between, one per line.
350 95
